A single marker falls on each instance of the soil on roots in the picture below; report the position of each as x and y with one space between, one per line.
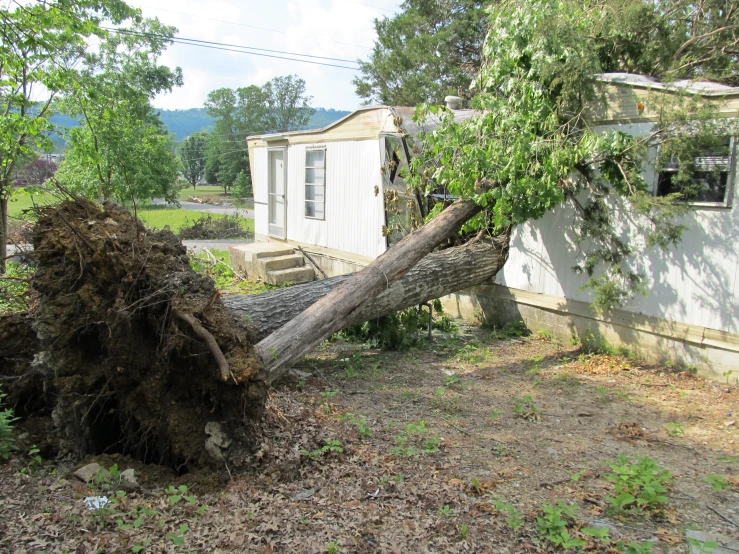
130 374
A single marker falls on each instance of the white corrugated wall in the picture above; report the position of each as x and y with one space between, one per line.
694 283
354 215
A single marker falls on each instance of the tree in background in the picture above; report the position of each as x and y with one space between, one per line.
288 107
39 45
38 171
121 149
429 50
193 157
280 104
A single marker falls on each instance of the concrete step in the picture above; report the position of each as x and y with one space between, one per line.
292 275
282 262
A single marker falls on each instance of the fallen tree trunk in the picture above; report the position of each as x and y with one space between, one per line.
334 311
438 274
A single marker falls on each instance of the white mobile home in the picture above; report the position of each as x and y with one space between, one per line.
325 190
691 313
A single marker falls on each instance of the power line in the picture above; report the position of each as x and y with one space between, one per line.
259 28
238 49
371 6
199 41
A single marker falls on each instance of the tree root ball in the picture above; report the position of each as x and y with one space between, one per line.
127 332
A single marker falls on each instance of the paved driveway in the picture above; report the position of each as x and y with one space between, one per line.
207 208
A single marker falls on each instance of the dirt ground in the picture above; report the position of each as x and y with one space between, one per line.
437 449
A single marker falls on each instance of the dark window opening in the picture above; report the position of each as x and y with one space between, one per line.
706 178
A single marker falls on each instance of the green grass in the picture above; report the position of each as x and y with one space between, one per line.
22 201
158 217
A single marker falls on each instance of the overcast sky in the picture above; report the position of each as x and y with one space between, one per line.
330 28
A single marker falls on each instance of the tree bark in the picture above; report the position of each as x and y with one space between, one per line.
438 274
334 311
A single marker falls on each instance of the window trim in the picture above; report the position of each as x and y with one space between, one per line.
306 167
730 181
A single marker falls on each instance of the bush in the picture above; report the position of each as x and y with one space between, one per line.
208 227
242 187
399 330
7 443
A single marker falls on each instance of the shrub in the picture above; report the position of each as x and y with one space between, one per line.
207 227
7 442
642 484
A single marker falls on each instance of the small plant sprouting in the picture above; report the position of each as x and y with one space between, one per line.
446 511
178 537
333 548
727 374
495 414
451 380
7 442
717 482
642 484
329 445
464 532
360 423
553 522
413 440
545 335
174 495
525 408
513 518
328 393
674 429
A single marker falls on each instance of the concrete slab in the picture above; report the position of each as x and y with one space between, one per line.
283 262
244 257
293 275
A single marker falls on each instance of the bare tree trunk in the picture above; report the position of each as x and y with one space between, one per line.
335 310
438 274
3 230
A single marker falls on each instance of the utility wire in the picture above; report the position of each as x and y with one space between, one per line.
199 41
259 28
178 40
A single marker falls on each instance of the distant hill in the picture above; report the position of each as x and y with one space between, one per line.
183 123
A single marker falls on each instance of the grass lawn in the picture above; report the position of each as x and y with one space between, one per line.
158 217
20 202
213 191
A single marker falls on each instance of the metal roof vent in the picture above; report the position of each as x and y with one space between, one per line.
453 102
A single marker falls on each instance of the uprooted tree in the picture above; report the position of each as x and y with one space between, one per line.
139 354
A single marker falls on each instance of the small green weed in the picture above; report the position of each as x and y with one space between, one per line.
513 518
329 393
451 380
333 548
727 374
413 440
642 484
545 335
464 532
635 547
674 429
729 459
495 414
717 482
525 408
329 446
7 442
446 511
174 495
360 422
553 523
178 537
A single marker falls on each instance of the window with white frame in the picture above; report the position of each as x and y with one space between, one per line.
704 177
315 183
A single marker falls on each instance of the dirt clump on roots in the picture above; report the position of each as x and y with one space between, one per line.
142 356
21 380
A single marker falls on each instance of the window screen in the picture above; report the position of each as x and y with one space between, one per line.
315 183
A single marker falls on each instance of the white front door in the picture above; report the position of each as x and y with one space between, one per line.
277 202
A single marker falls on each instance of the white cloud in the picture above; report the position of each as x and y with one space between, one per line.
330 28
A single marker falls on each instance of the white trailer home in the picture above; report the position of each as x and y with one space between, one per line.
691 313
325 191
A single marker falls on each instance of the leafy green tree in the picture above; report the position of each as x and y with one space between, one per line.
288 106
121 149
193 157
429 50
280 104
39 45
530 149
